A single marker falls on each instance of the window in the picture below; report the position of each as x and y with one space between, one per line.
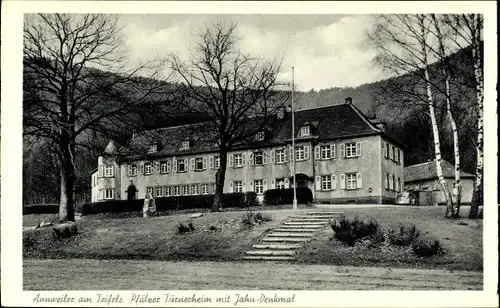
148 168
177 190
238 160
159 191
185 190
181 165
393 153
326 152
217 162
163 167
108 171
204 189
304 131
350 149
258 156
260 136
351 181
326 182
185 145
199 163
399 185
153 148
280 183
299 153
132 170
399 156
168 191
238 186
387 181
280 156
195 189
259 186
393 182
94 180
109 194
150 190
386 150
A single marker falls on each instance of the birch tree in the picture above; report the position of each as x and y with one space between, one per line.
78 83
467 32
402 42
237 93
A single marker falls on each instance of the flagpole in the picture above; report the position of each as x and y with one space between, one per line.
293 145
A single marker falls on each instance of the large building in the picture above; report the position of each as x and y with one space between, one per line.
340 154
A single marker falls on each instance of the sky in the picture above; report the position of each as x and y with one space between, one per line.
325 50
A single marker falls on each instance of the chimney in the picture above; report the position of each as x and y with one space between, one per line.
348 100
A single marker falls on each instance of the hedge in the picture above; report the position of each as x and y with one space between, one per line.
285 196
171 203
40 209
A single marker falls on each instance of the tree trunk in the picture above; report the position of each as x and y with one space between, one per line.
455 209
477 195
66 208
219 180
437 144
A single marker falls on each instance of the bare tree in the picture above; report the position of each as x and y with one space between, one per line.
78 83
466 31
237 93
403 44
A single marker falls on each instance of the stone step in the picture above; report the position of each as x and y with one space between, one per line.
290 234
285 239
271 252
324 217
269 258
294 230
308 220
305 223
302 226
325 213
277 246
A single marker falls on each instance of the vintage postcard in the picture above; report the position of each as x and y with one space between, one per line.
249 154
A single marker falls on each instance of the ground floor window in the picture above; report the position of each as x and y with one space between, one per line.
195 189
185 190
204 189
326 182
351 181
109 194
280 183
238 186
177 190
259 186
149 190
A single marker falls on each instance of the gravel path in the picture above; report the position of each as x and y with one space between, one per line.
154 275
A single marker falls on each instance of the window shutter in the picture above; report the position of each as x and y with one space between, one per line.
358 148
264 185
273 183
243 159
204 163
174 165
334 181
231 161
100 172
250 159
286 155
243 187
391 183
287 183
333 148
318 182
157 167
342 181
291 153
317 152
129 170
390 153
192 163
169 166
342 150
359 180
264 157
306 152
273 156
211 164
230 187
251 186
101 194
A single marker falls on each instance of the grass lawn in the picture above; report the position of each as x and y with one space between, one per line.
128 236
463 243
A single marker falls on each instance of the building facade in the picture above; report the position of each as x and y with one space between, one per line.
342 156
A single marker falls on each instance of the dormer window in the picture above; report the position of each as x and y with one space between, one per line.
185 145
153 148
305 130
260 136
281 113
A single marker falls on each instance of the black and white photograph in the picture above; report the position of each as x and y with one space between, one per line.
275 146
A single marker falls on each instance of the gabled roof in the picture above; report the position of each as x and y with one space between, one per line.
427 171
330 122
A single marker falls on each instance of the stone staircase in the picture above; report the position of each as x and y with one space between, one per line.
283 243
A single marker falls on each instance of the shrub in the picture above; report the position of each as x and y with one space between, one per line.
405 236
247 199
259 217
350 230
285 196
248 220
181 228
41 209
427 247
